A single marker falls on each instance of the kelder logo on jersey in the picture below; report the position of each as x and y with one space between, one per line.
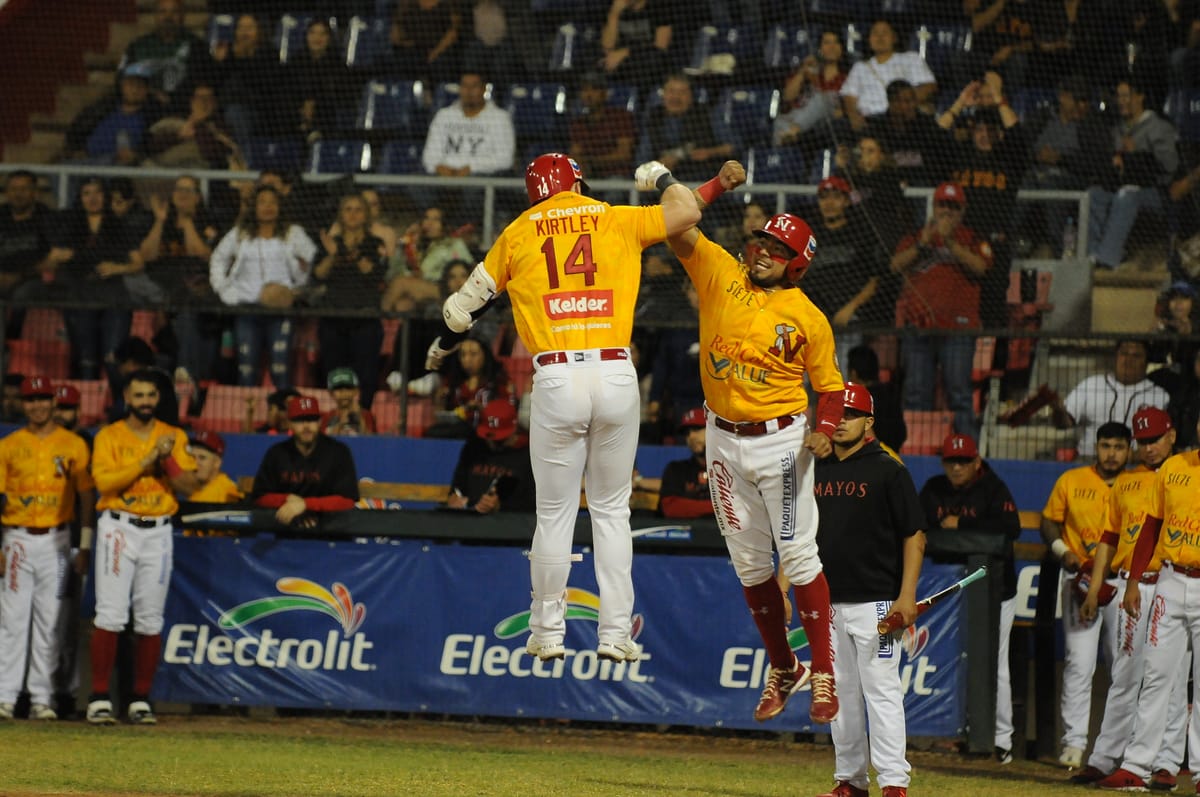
470 654
236 645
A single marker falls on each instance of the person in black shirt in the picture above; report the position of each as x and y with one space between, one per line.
494 471
306 474
24 242
970 496
684 489
913 138
871 540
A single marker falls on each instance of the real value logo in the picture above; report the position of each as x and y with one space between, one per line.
471 654
237 645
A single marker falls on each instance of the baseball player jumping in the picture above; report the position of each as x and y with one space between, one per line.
42 469
572 266
759 337
139 463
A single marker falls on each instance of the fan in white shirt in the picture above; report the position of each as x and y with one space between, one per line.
865 91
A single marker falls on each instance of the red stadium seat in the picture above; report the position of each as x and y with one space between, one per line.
49 358
94 398
225 408
420 415
43 323
386 409
926 430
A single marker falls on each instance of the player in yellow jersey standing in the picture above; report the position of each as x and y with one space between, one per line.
1126 511
572 267
1074 518
138 463
760 336
43 467
1170 533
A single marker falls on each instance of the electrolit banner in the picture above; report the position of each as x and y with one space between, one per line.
404 625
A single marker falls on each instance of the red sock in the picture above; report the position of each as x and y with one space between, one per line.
145 662
766 606
104 656
812 602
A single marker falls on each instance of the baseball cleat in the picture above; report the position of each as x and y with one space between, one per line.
1163 780
1071 757
40 711
1004 755
140 713
780 686
1088 774
6 711
824 708
100 712
545 650
845 788
1122 780
895 791
626 650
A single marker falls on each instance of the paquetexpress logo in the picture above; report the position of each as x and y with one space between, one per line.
471 654
242 640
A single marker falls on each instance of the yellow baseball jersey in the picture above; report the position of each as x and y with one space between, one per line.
1176 499
117 454
1126 512
221 490
756 345
572 266
1079 501
41 476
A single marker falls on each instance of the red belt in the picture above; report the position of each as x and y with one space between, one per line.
754 428
1147 577
560 357
1190 572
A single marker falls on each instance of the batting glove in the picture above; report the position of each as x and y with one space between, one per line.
435 355
647 175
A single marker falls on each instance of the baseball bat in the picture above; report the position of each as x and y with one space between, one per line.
893 621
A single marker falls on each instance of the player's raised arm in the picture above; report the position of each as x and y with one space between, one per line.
681 209
732 175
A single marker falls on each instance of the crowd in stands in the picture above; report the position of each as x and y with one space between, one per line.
860 107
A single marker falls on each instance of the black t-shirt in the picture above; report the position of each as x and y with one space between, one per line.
508 470
328 470
24 243
917 148
869 507
185 277
991 180
347 285
846 260
111 242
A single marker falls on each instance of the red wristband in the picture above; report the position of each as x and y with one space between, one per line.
711 190
171 467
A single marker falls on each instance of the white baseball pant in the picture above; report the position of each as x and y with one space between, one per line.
1080 642
133 567
584 420
1004 711
1121 704
32 595
762 492
866 666
1173 616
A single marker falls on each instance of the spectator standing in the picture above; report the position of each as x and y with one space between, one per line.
139 463
636 39
214 487
245 76
172 53
1004 37
307 474
810 97
889 522
43 469
347 418
602 136
262 261
351 275
1072 524
913 138
865 91
679 134
494 472
1144 158
25 233
424 36
969 496
113 130
684 491
1110 397
943 265
495 31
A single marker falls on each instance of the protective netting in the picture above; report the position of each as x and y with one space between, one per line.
1024 168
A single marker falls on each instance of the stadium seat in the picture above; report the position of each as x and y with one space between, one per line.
1183 108
785 47
43 323
1034 104
340 157
896 8
854 9
519 368
94 399
49 358
401 157
366 41
538 110
290 32
385 406
419 416
396 105
220 30
224 407
854 39
940 44
146 324
281 156
623 97
926 430
573 46
447 94
822 166
746 113
774 165
713 41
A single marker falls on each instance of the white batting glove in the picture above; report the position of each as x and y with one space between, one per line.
435 355
647 175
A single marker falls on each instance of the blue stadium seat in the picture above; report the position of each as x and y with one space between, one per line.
711 40
220 30
774 165
289 35
1032 104
340 157
940 44
392 105
823 165
366 41
402 157
277 155
896 8
1183 108
786 48
747 112
447 94
538 110
854 39
574 46
853 9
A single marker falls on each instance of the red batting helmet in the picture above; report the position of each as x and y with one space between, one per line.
794 233
550 174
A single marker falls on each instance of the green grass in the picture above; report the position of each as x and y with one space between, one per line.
239 758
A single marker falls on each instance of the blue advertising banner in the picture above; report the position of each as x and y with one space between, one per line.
406 625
